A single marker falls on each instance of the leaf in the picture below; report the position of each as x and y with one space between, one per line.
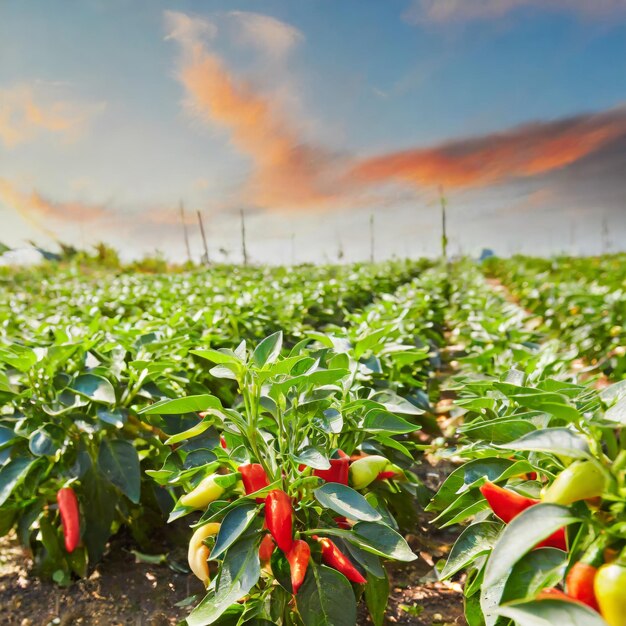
523 533
395 403
312 457
474 541
12 474
551 612
240 572
385 541
115 417
326 598
222 356
347 502
542 567
96 388
233 525
376 598
99 513
40 443
268 350
377 421
560 441
119 462
178 406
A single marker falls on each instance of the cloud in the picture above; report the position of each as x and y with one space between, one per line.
37 209
522 152
27 112
468 10
265 33
287 170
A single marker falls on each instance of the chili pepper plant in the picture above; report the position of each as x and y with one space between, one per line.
543 486
289 496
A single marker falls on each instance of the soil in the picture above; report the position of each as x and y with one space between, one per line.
124 591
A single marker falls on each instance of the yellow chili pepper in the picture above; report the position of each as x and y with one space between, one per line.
198 553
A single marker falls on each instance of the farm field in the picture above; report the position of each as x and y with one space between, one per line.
410 442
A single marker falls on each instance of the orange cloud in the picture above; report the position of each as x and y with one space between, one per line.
25 113
34 208
287 171
523 152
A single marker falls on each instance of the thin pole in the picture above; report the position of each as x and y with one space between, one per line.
186 234
371 237
444 235
244 251
205 258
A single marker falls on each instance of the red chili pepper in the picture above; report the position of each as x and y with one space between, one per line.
254 478
337 473
553 592
266 548
342 455
332 556
385 475
342 522
507 504
298 558
70 517
579 584
279 518
223 442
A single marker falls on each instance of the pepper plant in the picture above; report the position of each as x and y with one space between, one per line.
543 484
294 485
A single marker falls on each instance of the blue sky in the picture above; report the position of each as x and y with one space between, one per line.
312 115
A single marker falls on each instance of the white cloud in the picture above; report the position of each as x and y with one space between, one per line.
265 33
467 10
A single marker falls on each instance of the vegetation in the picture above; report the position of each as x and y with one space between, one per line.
285 412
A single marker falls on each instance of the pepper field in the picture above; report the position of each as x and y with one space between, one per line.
410 442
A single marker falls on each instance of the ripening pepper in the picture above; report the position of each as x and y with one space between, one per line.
337 473
580 481
254 478
610 588
70 517
551 593
386 475
266 548
279 518
332 556
298 558
579 584
223 443
507 504
206 492
198 553
366 470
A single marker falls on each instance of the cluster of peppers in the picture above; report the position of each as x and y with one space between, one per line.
598 579
279 514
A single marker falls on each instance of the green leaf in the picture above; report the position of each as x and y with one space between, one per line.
240 572
543 567
268 350
40 443
474 541
385 541
119 462
96 388
347 502
326 598
551 612
522 534
376 598
233 525
115 417
178 406
560 441
12 474
379 421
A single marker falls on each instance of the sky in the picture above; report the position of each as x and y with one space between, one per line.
320 120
